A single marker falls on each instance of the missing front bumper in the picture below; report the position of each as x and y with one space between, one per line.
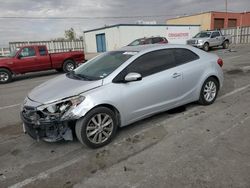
48 130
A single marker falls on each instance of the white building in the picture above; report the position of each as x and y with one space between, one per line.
116 36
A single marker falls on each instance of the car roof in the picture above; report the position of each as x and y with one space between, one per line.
150 37
28 46
149 47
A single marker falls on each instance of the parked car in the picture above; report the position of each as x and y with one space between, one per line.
36 58
118 88
151 40
208 39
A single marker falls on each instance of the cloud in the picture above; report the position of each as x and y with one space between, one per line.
20 30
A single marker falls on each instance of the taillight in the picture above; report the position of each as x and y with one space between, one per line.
220 62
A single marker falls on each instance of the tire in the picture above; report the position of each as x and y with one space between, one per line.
206 47
85 126
209 91
225 44
5 76
68 66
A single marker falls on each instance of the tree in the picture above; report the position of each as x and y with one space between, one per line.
81 38
70 34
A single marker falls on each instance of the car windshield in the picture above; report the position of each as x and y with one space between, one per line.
101 66
203 35
137 42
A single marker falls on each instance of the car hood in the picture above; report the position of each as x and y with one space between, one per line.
61 87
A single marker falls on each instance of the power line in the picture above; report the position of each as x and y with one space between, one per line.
83 17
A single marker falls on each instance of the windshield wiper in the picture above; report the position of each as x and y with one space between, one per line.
72 74
83 77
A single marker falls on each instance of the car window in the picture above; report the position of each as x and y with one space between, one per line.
103 65
42 51
203 35
137 42
184 56
215 34
152 62
156 40
28 52
148 41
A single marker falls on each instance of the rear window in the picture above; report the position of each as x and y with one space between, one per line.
184 56
42 51
156 40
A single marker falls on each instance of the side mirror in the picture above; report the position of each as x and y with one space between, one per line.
131 77
19 56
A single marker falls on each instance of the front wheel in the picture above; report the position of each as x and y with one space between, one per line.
5 76
206 47
97 128
68 66
209 91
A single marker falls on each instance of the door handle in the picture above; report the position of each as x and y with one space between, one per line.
176 75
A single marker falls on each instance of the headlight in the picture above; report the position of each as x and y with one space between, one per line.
200 41
59 108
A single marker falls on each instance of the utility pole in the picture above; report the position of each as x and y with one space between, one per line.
226 5
226 19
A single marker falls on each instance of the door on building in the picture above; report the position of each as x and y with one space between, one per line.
218 23
101 42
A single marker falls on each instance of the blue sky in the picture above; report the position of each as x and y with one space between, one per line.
96 12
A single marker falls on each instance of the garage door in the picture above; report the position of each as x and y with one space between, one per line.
232 23
218 23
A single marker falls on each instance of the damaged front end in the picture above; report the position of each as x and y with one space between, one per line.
50 122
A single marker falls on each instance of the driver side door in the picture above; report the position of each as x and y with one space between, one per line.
26 60
215 39
159 88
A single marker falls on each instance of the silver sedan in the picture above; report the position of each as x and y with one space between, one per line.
118 88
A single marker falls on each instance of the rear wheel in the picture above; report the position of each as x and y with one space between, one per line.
225 44
97 128
209 91
5 76
68 66
206 47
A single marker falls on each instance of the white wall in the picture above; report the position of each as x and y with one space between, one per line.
119 36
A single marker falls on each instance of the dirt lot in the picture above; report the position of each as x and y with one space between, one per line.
193 146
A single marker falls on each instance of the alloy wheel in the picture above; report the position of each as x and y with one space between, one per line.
70 67
4 76
99 128
210 91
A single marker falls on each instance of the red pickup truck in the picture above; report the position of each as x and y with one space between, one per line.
36 58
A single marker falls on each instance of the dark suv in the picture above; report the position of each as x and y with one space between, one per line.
151 40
